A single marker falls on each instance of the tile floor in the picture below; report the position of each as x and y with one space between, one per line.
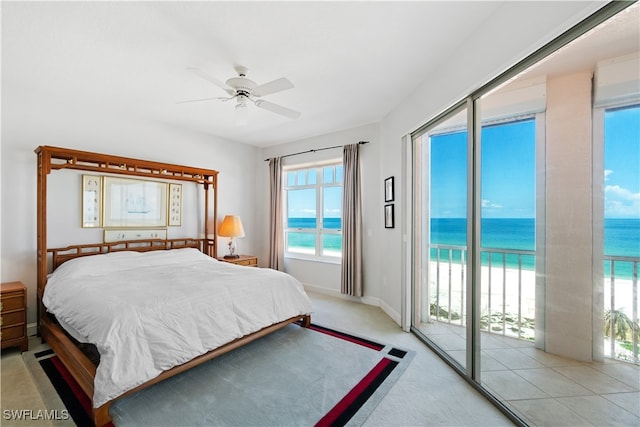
545 389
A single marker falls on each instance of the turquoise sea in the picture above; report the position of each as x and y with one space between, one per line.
621 238
307 241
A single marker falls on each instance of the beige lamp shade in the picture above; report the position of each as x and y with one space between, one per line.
231 227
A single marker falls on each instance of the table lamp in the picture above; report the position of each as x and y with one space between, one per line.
231 227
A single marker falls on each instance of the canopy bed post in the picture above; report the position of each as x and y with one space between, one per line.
44 161
210 244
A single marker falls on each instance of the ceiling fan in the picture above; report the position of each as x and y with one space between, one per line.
243 89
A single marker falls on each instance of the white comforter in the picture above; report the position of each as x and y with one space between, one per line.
147 312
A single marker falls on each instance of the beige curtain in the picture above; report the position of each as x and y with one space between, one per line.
351 281
276 233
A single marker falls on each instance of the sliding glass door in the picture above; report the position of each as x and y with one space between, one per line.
441 298
527 229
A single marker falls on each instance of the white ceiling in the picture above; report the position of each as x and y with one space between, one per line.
350 62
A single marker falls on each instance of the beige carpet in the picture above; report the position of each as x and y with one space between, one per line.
23 402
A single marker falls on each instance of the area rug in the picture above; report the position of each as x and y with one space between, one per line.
294 377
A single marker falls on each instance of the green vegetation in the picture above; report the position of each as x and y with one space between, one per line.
623 330
623 327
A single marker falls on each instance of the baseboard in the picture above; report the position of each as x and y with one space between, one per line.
394 315
337 294
32 329
331 292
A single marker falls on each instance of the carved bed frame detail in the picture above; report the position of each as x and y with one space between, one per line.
79 365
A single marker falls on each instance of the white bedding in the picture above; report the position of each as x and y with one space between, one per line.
149 311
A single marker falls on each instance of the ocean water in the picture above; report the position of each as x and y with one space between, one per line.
621 238
332 223
306 242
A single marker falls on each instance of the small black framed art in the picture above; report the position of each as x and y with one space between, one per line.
388 216
388 190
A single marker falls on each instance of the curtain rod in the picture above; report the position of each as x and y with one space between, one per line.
316 149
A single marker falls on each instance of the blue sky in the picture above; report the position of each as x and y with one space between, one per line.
508 172
302 202
508 187
508 169
622 163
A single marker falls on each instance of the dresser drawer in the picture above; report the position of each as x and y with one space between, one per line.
12 301
13 332
250 262
246 260
13 318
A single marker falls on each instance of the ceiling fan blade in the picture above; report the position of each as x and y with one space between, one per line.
278 109
204 99
198 72
277 85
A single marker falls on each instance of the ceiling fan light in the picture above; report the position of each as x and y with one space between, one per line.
242 113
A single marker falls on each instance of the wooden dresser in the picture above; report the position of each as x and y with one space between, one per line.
249 260
13 313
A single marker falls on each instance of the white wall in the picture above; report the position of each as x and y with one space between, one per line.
30 119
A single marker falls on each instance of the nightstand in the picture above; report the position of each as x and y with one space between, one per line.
248 260
13 312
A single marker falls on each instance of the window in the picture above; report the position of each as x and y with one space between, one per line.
621 138
313 202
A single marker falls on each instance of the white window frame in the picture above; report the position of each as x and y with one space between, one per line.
319 231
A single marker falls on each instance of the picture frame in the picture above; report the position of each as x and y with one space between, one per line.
113 235
175 205
388 190
133 203
389 221
91 201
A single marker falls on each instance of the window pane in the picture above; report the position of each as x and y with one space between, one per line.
301 209
339 173
621 231
327 174
291 179
508 224
621 165
302 177
311 177
332 245
303 243
440 309
332 207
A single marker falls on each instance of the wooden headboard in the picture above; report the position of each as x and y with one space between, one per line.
56 158
61 255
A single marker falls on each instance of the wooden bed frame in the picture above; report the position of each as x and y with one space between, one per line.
79 365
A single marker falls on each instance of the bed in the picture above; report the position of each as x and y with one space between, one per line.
151 308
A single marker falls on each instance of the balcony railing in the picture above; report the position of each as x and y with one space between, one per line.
621 302
508 295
